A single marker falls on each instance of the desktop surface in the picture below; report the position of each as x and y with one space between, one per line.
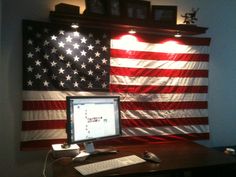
175 157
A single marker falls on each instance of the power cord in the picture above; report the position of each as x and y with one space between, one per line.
45 164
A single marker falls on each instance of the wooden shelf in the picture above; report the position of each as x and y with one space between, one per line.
124 24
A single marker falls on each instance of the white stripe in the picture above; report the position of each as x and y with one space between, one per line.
127 114
43 134
163 114
144 131
57 95
165 130
152 97
160 81
158 64
167 47
44 115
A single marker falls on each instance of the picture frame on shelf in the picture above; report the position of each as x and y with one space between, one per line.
95 7
114 8
136 9
164 15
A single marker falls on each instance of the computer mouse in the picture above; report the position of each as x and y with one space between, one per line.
151 157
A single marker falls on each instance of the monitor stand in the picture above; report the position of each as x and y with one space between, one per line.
89 148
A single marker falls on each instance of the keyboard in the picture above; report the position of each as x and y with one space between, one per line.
106 165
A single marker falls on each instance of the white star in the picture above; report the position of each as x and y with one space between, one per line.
30 42
90 85
61 44
90 47
75 71
37 76
83 53
68 64
37 49
90 35
61 71
61 57
45 43
54 38
104 85
30 69
69 51
30 55
76 84
76 46
61 32
46 83
62 84
37 63
83 40
104 73
97 66
83 65
76 58
45 70
68 39
68 77
30 83
104 61
54 50
97 41
54 77
46 56
38 35
90 72
90 60
53 63
98 78
82 79
104 48
97 54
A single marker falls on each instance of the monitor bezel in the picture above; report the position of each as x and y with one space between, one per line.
68 121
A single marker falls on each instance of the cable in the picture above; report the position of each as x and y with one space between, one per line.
45 164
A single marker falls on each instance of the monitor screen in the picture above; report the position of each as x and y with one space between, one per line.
92 118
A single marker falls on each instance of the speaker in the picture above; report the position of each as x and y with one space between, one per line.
62 150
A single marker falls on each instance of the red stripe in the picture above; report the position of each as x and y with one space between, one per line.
164 122
135 72
153 139
44 105
46 144
61 124
43 124
40 105
157 89
40 144
160 39
163 105
117 53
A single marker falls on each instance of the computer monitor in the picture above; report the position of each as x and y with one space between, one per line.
92 118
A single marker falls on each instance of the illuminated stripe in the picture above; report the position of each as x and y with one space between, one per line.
42 115
137 131
160 81
154 64
116 53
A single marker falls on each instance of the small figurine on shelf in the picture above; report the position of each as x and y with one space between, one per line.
190 17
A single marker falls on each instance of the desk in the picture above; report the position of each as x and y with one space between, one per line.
176 157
